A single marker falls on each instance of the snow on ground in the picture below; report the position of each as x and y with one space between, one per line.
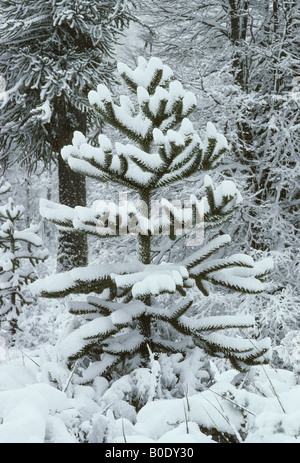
41 403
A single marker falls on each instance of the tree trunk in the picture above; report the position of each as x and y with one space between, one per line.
72 247
238 34
144 253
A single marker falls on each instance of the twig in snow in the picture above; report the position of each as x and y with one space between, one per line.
213 421
238 436
274 390
70 377
185 388
123 431
233 402
25 355
186 419
270 382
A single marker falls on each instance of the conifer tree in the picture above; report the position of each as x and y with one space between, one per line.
128 304
20 251
51 54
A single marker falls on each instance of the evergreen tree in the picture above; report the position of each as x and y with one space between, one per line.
51 54
125 318
20 251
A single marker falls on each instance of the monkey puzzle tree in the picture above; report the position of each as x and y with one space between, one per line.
128 303
51 54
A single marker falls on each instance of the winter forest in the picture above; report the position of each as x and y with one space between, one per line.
149 221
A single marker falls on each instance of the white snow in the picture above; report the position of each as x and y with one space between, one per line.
144 73
101 95
230 278
208 249
25 412
155 100
50 210
138 124
43 112
96 328
85 168
142 95
176 92
213 323
236 260
78 139
177 398
126 104
153 280
154 285
37 412
88 152
211 131
263 266
55 283
105 143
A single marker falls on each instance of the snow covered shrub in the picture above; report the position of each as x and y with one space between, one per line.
139 308
5 187
20 250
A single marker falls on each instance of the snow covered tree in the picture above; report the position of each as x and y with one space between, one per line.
141 307
51 54
241 57
241 60
20 251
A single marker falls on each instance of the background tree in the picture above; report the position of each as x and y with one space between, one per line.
20 251
51 55
242 60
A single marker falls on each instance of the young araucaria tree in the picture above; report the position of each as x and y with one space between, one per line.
20 251
129 303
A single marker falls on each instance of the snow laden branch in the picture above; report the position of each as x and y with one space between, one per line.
106 317
106 218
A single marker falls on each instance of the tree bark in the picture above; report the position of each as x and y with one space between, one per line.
72 247
144 253
238 33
